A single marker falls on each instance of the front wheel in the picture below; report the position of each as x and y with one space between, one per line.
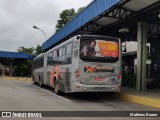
33 81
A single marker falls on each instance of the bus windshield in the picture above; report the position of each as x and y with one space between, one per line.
93 49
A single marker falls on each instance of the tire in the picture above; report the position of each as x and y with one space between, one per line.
33 81
56 91
40 83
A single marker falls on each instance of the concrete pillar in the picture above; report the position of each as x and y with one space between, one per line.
141 56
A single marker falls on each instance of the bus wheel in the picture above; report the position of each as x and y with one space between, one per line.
40 83
56 90
33 81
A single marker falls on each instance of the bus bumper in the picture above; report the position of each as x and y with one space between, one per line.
76 87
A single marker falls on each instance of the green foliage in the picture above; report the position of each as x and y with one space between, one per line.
31 51
79 10
23 69
26 50
65 16
38 50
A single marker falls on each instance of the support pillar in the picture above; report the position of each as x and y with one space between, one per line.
141 56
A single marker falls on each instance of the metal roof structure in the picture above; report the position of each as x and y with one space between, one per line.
100 15
17 55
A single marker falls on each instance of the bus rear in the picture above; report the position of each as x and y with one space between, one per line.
98 65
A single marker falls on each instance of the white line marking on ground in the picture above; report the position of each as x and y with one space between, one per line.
50 92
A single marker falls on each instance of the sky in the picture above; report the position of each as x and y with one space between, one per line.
17 18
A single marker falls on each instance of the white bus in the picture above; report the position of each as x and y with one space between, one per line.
84 63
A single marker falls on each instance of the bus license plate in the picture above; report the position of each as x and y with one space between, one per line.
98 79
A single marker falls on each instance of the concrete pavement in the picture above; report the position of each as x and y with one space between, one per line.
24 96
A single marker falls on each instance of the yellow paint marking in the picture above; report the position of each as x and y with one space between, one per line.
29 79
148 101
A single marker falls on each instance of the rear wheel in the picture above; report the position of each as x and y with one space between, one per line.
40 83
56 89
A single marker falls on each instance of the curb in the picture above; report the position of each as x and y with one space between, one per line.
147 101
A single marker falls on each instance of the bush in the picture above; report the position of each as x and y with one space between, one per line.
23 69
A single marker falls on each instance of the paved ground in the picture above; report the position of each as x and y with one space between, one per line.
24 96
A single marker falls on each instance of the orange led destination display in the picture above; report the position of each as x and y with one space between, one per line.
108 49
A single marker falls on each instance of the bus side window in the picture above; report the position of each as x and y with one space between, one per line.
69 53
64 50
68 59
54 57
68 48
61 58
49 59
60 51
57 53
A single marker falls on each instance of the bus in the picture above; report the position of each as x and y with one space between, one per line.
83 63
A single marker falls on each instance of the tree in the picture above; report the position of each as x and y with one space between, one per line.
31 51
65 16
38 50
23 69
26 50
79 10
